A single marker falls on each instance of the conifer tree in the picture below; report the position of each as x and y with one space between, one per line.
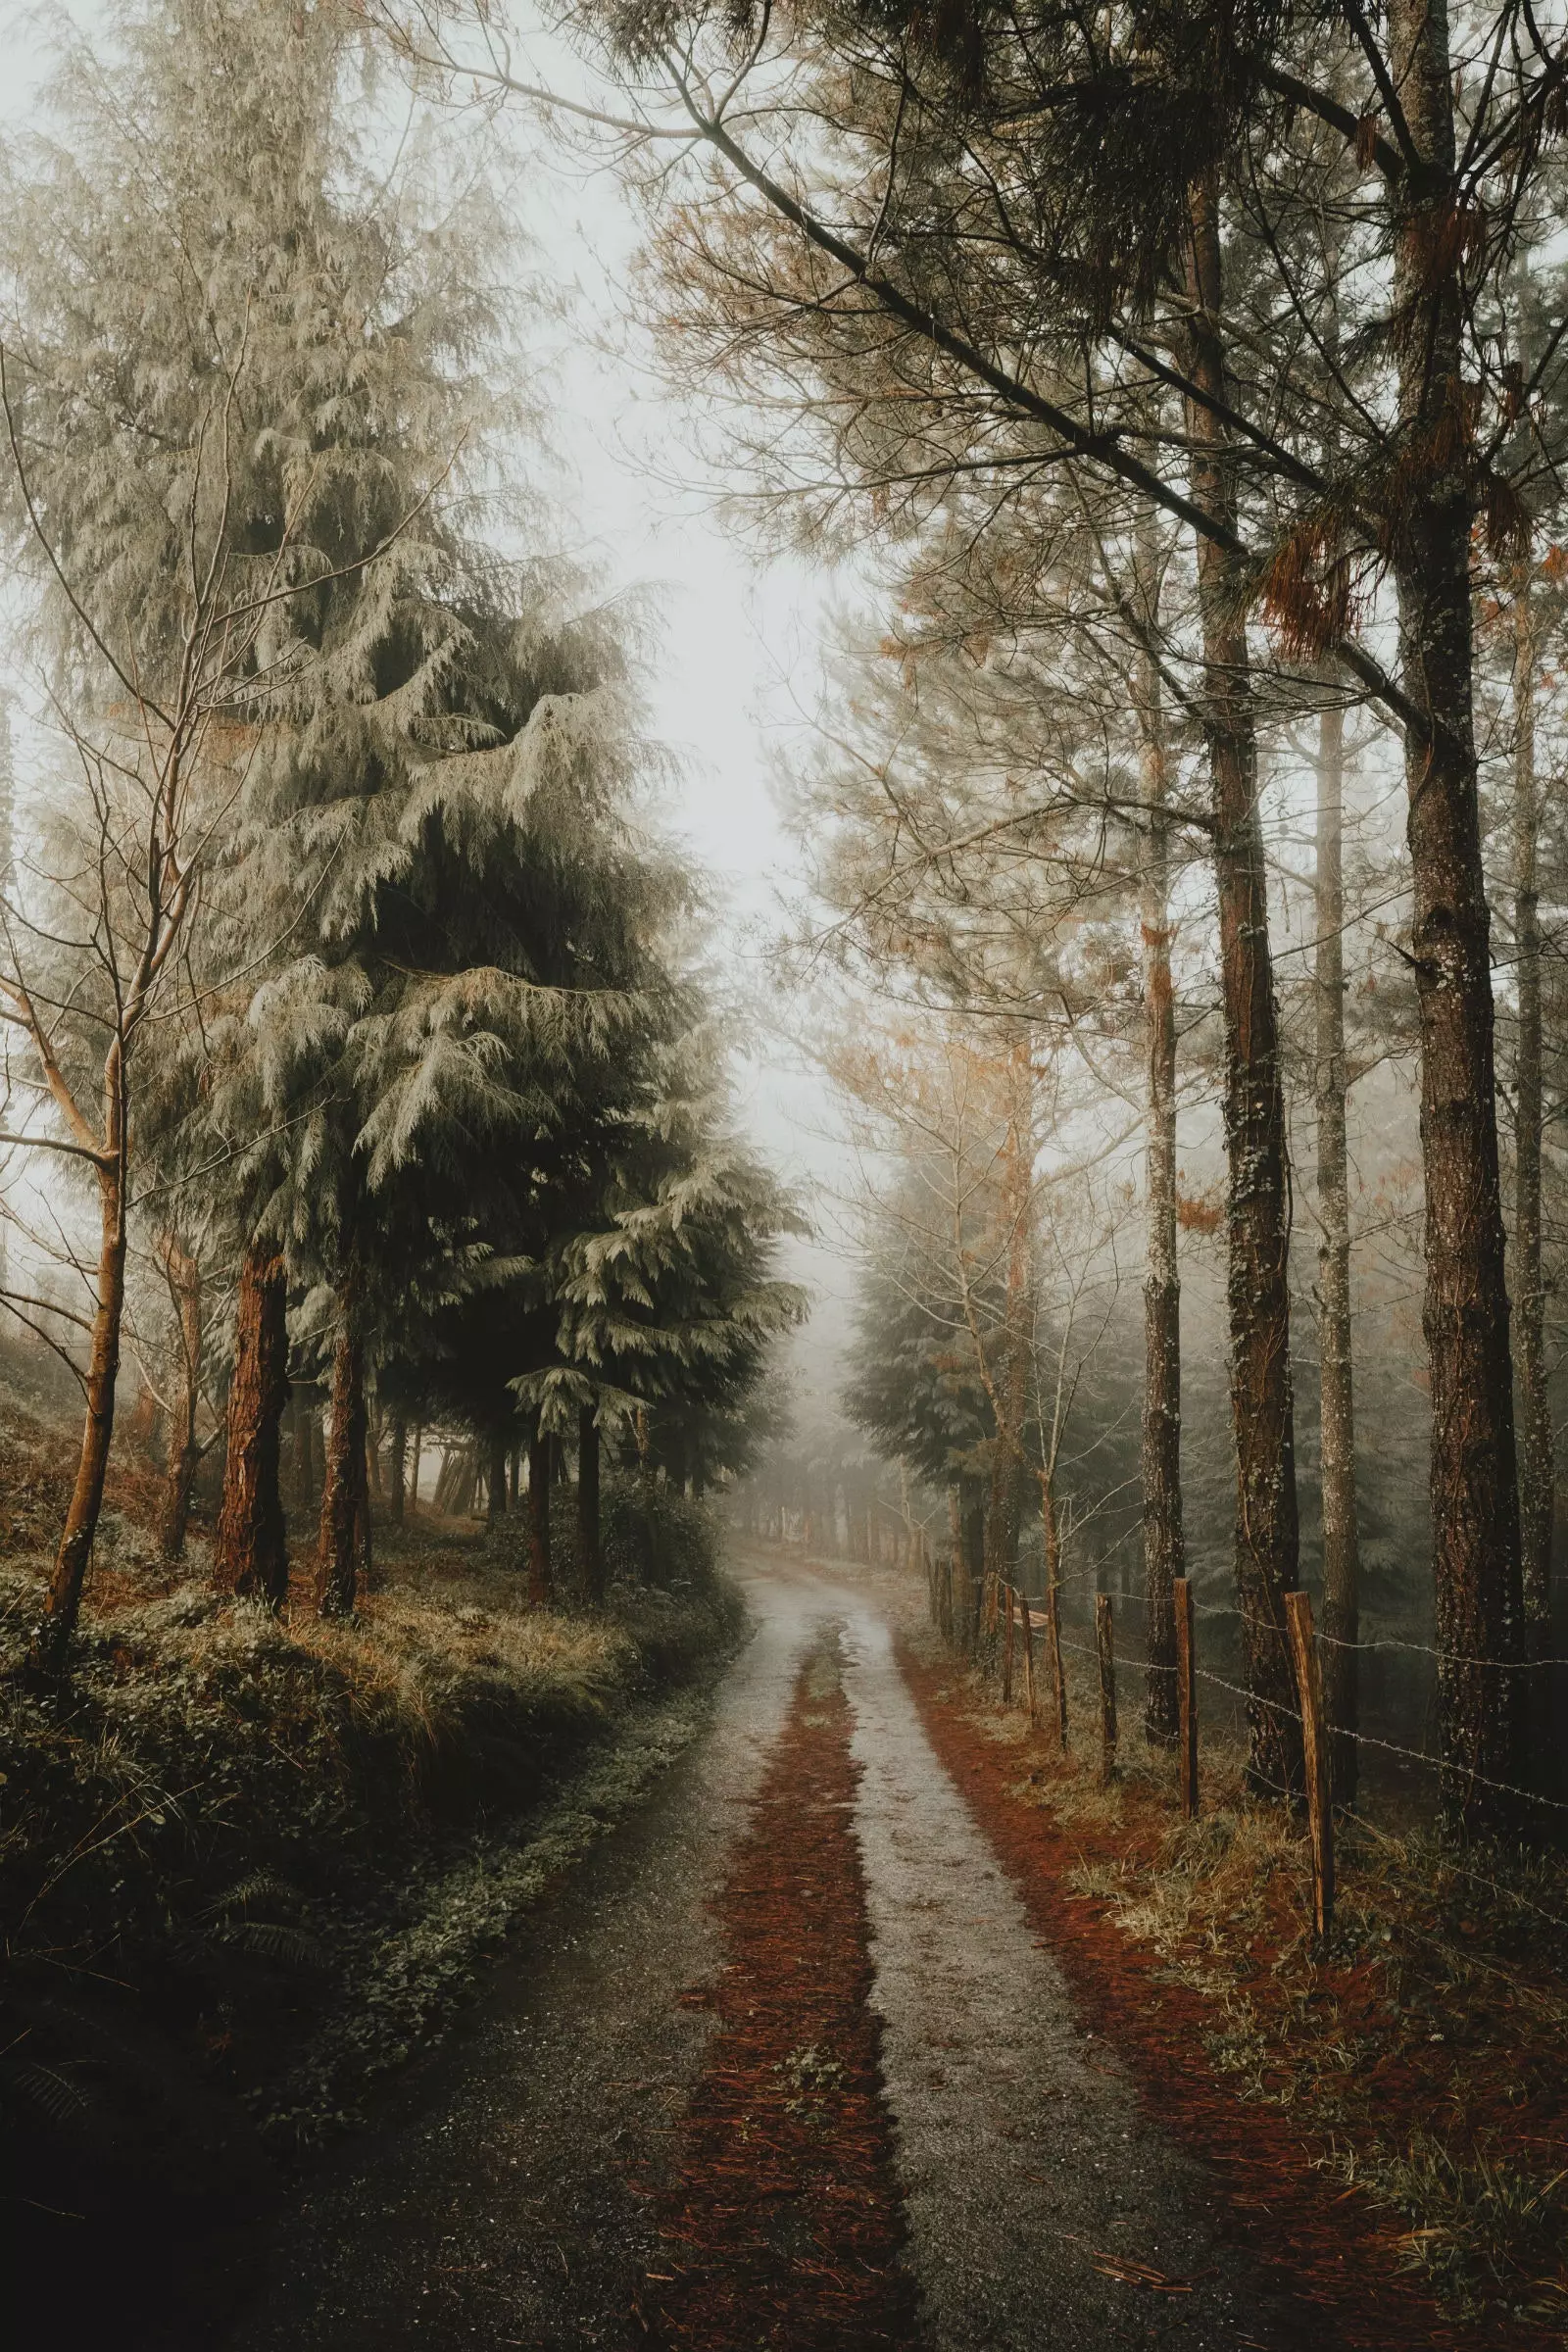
153 294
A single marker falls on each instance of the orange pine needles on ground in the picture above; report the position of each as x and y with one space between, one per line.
784 2223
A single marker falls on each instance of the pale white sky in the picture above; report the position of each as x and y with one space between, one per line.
742 633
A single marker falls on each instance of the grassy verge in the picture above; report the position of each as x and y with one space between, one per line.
247 1864
1410 2068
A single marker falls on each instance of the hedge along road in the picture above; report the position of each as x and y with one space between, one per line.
663 2123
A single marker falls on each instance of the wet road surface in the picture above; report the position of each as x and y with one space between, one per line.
510 2192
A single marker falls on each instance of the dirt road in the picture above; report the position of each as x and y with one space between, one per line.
665 2122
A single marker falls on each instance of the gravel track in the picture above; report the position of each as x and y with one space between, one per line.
507 2194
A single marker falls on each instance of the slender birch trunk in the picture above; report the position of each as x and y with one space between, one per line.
1537 1483
250 1554
1475 1496
1165 1550
1263 1415
1341 1554
185 1454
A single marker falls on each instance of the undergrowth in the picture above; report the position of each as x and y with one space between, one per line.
247 1863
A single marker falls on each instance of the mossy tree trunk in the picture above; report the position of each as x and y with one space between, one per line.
1164 1554
1474 1474
1262 1413
344 1542
1342 1550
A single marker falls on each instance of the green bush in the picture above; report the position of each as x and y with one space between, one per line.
654 1536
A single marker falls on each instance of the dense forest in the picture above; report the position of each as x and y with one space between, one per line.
412 1458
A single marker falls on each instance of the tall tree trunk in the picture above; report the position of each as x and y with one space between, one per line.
185 1454
589 1543
250 1554
496 1484
52 1638
1263 1415
399 1469
416 1452
1164 1550
1051 1534
538 1521
1475 1496
345 1502
1537 1483
1341 1551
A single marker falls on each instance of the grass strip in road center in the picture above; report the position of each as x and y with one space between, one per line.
783 2225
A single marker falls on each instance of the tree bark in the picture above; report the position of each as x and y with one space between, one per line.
588 1529
1475 1498
1262 1415
345 1502
1165 1548
539 1521
250 1554
1342 1553
185 1454
1536 1482
63 1601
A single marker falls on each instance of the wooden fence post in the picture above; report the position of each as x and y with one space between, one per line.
1181 1593
1026 1628
1006 1648
1105 1642
1319 1797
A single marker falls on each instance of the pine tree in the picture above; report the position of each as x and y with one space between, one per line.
155 287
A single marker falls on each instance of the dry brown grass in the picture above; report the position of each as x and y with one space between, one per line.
1417 2053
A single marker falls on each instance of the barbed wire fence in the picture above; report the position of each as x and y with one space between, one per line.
1088 1581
